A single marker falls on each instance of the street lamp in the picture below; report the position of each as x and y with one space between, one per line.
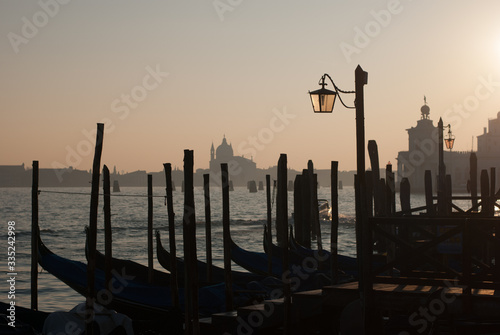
450 140
322 101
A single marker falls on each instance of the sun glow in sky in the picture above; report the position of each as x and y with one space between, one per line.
172 75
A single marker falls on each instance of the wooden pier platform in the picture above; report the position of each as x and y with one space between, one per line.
321 311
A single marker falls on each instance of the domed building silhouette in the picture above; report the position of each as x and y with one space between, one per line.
423 154
240 169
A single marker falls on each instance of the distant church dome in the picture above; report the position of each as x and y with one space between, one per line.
425 110
224 150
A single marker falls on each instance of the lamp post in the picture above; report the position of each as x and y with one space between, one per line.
323 101
449 142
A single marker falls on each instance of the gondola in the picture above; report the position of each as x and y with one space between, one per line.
131 268
299 254
239 277
134 298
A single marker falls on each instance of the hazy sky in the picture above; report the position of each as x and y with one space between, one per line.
172 75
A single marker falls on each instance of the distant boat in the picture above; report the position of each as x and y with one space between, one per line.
252 186
324 210
116 186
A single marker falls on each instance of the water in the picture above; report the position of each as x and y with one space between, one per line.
63 217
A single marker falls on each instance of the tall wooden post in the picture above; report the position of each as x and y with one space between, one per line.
108 240
370 193
298 220
390 190
282 219
429 202
171 235
189 234
493 198
208 225
364 237
404 195
319 240
150 229
448 194
34 237
442 172
334 233
306 209
313 203
473 179
226 237
485 193
94 203
269 226
373 152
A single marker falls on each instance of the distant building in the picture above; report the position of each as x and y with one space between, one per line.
14 175
488 148
240 169
423 154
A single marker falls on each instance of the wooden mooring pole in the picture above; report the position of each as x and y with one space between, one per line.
485 193
150 229
226 237
473 179
390 190
171 235
108 253
34 237
189 233
334 233
269 225
282 222
374 162
429 202
404 196
306 209
208 225
94 202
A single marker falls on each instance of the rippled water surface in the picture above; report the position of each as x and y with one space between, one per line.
63 217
